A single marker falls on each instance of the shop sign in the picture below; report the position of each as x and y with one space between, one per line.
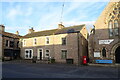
104 61
106 41
96 54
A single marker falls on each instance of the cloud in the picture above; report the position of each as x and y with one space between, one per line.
14 12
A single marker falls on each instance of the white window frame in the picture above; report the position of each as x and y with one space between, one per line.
24 42
34 41
38 55
47 40
46 53
31 53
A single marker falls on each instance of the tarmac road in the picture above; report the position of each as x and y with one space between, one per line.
12 69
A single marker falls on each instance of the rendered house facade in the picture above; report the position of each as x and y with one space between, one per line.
61 44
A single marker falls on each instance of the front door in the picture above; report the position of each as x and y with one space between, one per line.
117 55
40 54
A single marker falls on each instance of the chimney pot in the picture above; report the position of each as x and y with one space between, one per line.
31 30
60 26
17 32
2 28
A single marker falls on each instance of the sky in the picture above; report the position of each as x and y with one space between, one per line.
42 15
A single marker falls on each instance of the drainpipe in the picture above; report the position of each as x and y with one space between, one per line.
78 48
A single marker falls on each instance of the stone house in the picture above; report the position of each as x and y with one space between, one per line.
61 44
9 44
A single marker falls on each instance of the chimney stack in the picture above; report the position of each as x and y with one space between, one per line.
2 28
60 26
17 32
31 30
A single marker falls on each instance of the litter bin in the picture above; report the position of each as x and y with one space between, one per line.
34 59
52 60
69 61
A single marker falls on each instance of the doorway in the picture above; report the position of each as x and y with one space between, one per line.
40 54
117 55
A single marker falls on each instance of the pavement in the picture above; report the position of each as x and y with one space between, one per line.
27 69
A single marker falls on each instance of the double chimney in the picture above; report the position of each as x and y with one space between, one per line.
31 30
60 26
2 28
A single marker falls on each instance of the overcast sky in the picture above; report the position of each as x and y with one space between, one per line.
46 15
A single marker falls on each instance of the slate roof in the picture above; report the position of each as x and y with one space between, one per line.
70 29
6 34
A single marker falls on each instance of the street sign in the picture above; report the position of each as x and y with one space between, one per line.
96 54
106 41
104 61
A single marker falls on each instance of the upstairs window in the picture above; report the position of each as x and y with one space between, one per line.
24 42
47 40
110 28
12 44
63 41
104 52
7 43
116 27
17 44
35 41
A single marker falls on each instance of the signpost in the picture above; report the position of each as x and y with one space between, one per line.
106 41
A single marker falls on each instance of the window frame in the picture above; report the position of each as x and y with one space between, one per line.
64 54
12 44
64 41
29 54
34 41
47 53
116 28
7 43
24 42
47 40
110 28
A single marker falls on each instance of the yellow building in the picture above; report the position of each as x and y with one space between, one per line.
61 44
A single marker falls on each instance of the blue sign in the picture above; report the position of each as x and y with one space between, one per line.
104 61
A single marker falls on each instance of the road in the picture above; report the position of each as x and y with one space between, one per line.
41 70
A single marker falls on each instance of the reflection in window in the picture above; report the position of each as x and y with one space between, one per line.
110 28
116 27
